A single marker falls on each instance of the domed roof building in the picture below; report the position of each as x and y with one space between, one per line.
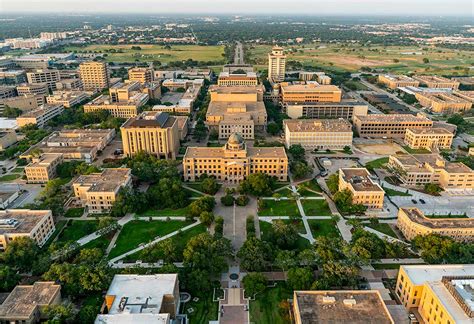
234 161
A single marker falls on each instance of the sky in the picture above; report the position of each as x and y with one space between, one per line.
310 7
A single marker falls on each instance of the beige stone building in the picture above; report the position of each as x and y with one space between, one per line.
276 64
141 299
232 79
175 84
26 303
340 306
236 109
233 162
444 103
389 126
94 75
98 191
23 102
142 75
439 294
33 88
49 77
35 224
397 81
434 81
321 134
152 132
428 138
309 93
421 169
67 98
183 126
412 222
70 84
7 139
364 190
43 169
75 144
40 116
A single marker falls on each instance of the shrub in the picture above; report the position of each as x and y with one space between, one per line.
250 226
227 200
242 200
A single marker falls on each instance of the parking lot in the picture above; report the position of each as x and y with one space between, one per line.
438 205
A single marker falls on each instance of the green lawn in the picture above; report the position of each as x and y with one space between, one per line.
392 192
167 212
18 170
285 192
312 184
323 227
355 85
197 186
376 164
9 177
383 228
101 242
447 216
193 194
286 207
74 212
279 185
264 309
307 193
136 232
59 226
205 310
150 53
77 229
416 151
316 207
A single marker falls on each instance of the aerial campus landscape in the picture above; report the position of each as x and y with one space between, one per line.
193 165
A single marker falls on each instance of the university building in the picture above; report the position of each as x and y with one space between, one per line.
276 64
440 294
142 75
346 109
444 103
241 79
428 138
50 77
364 190
412 222
98 191
43 169
40 116
389 126
397 81
233 162
94 75
309 93
321 134
156 133
434 81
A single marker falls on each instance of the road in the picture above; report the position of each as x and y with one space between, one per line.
239 53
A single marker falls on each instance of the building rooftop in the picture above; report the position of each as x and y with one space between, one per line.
43 109
218 152
399 77
353 306
430 131
237 89
150 119
109 180
360 180
393 118
450 304
419 274
311 87
229 107
23 300
417 216
421 162
45 160
16 221
318 125
433 78
139 294
444 97
238 75
143 318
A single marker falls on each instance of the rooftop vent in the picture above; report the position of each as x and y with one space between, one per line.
350 302
329 300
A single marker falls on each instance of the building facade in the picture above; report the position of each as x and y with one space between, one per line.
389 126
43 169
40 116
152 132
33 88
397 81
310 93
142 75
429 138
241 79
364 190
67 98
434 81
7 139
276 64
50 77
412 222
444 103
321 110
233 162
94 75
321 134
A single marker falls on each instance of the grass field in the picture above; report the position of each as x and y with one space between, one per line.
391 58
136 232
279 208
9 177
205 310
416 151
167 212
77 229
59 227
74 212
313 207
392 192
376 164
264 309
383 228
321 227
154 53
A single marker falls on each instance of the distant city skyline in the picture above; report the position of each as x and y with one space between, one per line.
309 7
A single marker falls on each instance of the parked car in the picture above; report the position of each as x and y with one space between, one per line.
414 201
422 201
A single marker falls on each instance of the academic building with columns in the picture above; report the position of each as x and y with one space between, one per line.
235 161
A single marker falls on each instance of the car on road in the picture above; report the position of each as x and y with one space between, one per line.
414 201
423 201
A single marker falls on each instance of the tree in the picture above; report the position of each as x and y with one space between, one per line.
426 60
8 278
255 255
258 184
254 283
367 246
300 278
284 235
200 205
333 183
435 248
286 259
209 186
343 201
347 149
200 130
273 128
213 135
167 193
297 151
62 313
338 274
21 253
432 188
227 200
89 256
300 169
242 200
206 218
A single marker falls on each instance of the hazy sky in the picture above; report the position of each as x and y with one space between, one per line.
314 7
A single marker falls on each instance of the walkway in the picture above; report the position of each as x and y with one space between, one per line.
88 238
141 247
